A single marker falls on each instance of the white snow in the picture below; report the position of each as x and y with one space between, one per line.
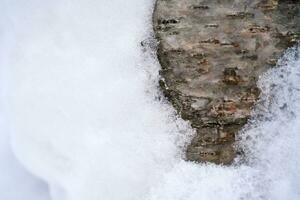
82 106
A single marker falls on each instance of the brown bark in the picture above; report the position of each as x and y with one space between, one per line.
212 53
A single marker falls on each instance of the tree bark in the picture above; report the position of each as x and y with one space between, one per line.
212 53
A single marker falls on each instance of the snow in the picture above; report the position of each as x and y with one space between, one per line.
85 118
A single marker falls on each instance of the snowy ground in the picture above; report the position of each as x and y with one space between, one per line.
81 111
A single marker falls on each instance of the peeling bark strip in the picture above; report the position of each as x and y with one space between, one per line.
212 53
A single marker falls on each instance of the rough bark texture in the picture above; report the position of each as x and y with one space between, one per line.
212 53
